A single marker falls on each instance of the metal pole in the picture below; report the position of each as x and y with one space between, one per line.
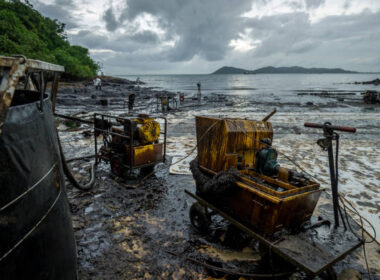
334 185
96 142
131 147
166 123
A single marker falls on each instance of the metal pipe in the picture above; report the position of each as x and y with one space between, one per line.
73 118
331 127
334 186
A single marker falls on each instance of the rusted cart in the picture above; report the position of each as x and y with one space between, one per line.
302 250
130 143
266 201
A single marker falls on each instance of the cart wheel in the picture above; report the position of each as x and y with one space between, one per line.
117 166
146 170
199 217
329 274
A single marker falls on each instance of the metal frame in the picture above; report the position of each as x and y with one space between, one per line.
275 245
16 67
130 167
169 99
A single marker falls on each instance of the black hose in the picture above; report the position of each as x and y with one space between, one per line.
237 273
70 176
79 158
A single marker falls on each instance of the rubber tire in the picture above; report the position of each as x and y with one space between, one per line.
117 166
329 274
199 217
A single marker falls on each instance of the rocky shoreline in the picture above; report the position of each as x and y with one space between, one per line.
132 233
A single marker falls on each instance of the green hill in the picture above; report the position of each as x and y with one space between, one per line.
23 30
281 70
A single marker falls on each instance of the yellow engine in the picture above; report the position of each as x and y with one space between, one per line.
148 130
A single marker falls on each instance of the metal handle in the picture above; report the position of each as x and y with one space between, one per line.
332 127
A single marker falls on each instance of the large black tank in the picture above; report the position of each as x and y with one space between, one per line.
36 234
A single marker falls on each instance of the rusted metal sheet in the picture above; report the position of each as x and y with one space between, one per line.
13 69
229 141
259 205
8 86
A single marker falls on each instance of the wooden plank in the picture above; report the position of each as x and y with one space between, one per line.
314 256
31 64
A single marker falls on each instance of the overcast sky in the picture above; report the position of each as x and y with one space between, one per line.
199 36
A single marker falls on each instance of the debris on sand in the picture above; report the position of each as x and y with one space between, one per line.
371 97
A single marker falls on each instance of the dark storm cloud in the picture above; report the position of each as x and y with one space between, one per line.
110 20
202 28
200 32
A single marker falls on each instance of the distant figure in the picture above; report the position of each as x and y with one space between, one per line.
181 97
138 83
199 92
164 103
131 102
98 83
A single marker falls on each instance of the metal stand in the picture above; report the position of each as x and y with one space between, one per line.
326 144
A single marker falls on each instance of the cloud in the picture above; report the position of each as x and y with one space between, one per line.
197 36
60 10
145 37
312 4
333 41
202 28
110 19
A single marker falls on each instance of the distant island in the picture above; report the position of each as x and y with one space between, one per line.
283 70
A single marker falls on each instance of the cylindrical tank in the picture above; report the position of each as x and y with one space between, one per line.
36 234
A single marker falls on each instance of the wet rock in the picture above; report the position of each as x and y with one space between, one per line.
103 102
87 133
373 82
350 274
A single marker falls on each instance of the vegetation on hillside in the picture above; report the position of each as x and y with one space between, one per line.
23 30
282 70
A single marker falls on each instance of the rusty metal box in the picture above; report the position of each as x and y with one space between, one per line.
265 203
144 154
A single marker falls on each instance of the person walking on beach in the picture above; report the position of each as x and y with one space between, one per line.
98 83
199 91
131 102
138 83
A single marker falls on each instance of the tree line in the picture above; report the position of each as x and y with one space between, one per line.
23 30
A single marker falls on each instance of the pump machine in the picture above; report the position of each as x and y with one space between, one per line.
130 143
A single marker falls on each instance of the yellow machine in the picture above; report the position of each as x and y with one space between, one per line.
131 143
267 196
